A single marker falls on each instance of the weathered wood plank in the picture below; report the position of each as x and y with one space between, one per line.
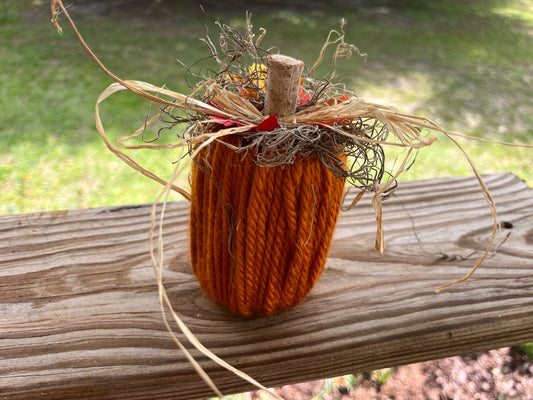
79 315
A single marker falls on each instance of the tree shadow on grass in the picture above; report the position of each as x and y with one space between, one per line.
479 62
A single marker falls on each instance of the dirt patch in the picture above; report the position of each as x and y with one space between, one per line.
497 374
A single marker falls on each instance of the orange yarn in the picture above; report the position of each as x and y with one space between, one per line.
260 235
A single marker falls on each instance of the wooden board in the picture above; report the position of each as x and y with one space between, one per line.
79 313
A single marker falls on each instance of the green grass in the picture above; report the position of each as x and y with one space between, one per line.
50 148
464 64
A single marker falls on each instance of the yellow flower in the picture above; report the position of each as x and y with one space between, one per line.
258 72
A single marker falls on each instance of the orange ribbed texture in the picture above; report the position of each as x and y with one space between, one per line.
260 235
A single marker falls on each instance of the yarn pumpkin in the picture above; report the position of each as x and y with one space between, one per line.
260 235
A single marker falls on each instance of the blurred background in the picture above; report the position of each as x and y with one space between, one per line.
466 64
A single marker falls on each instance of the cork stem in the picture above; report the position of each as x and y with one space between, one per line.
282 84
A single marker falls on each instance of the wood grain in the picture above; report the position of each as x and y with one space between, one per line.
79 313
